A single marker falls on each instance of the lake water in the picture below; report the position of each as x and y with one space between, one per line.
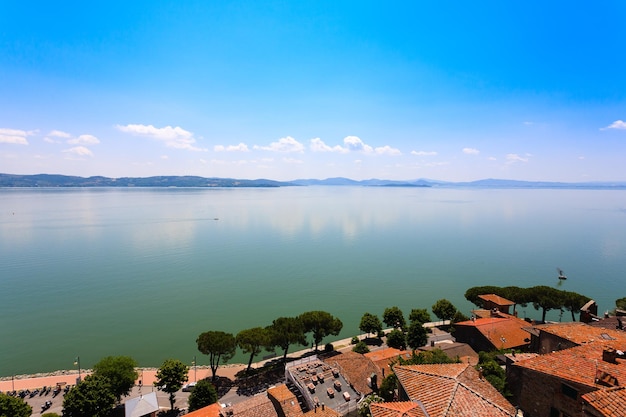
142 272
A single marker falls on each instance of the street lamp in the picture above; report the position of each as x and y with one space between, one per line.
77 362
194 368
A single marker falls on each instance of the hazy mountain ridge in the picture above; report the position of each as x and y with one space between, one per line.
54 180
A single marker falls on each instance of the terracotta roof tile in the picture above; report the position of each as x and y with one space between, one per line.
496 299
356 368
580 364
503 332
580 333
285 400
258 406
610 402
447 390
212 410
397 409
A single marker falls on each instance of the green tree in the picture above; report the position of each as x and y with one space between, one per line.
285 331
419 315
361 347
492 371
621 303
364 405
546 298
396 339
170 378
93 397
370 323
49 415
573 302
14 407
120 371
220 346
444 309
393 317
203 394
417 336
388 387
252 341
320 324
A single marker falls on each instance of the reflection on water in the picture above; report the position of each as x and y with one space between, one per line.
144 271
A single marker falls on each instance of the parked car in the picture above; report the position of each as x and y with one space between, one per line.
189 387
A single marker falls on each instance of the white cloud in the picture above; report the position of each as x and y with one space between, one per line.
293 161
242 147
424 153
318 145
513 157
471 151
387 150
284 145
79 150
59 134
165 157
15 136
618 124
173 137
48 140
354 143
492 158
84 140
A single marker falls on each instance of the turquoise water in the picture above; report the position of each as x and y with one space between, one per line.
142 272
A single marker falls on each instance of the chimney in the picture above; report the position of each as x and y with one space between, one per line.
323 406
609 355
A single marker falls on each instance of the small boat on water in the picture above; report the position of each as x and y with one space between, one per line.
561 274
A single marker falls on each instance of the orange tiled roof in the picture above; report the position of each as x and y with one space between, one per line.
503 332
610 402
212 410
286 400
580 364
580 333
447 390
397 409
258 406
356 368
496 299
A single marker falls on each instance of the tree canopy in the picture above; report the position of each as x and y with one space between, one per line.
419 315
417 336
252 341
393 317
320 324
285 331
444 309
542 297
92 397
621 303
396 339
119 371
14 407
370 323
220 346
203 394
170 378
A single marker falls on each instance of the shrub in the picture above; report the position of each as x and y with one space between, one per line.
354 340
361 347
329 347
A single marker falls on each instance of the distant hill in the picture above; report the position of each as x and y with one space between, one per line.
51 180
45 180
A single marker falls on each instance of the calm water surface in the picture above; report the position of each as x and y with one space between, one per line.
142 272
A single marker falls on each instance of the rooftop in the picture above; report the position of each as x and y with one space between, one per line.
503 332
580 364
452 390
581 333
496 299
610 402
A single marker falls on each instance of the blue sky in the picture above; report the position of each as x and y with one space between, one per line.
314 89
